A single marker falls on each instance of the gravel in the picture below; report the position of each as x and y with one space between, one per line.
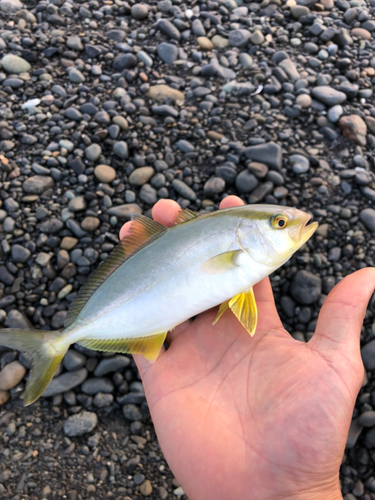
106 107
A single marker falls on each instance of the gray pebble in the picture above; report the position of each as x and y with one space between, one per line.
132 412
121 150
65 382
94 385
184 190
300 164
73 360
93 152
306 287
367 216
109 365
80 424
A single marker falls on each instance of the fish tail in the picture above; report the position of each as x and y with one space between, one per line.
47 350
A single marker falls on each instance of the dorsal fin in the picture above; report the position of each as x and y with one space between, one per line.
185 215
142 232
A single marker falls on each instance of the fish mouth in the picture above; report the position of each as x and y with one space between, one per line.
303 231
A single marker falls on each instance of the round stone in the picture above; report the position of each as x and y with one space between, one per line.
75 76
141 175
367 216
303 100
121 150
11 375
90 223
15 64
105 173
139 11
80 424
205 43
300 164
93 152
335 113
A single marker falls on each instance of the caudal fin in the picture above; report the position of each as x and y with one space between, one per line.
47 350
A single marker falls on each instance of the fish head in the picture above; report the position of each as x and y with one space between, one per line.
271 234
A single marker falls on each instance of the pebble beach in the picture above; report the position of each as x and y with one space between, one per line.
106 107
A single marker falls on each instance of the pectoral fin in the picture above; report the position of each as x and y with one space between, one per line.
149 346
221 263
244 308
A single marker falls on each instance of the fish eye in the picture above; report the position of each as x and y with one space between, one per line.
279 221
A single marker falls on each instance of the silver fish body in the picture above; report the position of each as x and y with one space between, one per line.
158 277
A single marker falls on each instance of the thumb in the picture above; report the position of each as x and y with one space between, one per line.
341 317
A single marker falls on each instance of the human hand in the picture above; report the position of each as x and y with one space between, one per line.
264 417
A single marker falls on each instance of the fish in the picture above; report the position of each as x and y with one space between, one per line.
157 277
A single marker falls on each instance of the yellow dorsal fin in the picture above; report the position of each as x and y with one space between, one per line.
142 232
221 263
149 346
244 308
185 215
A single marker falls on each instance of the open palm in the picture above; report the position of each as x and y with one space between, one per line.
263 417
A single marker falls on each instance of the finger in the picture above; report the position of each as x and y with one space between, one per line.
125 230
165 211
268 317
144 364
231 201
173 334
341 317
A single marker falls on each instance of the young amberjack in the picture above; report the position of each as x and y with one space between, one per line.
157 277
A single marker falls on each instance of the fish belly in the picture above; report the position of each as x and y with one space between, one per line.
168 303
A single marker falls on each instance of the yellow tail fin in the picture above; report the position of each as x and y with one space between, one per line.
47 350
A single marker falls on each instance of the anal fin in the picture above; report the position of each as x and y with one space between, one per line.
149 347
224 306
244 308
